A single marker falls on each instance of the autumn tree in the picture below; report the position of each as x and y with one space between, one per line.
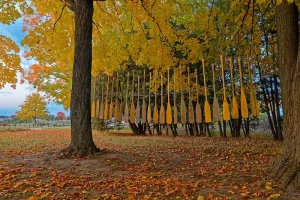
33 108
9 61
60 116
287 21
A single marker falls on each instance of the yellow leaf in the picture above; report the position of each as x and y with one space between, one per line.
200 198
244 194
274 196
32 198
268 187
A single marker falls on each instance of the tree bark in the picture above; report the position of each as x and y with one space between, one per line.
288 169
82 143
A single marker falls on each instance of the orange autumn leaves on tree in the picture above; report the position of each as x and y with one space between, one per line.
53 79
34 107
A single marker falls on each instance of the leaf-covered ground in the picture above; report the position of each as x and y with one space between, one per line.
137 167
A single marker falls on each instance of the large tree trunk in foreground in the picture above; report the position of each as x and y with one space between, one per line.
81 132
288 169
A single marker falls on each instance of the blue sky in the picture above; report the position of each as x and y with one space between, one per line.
10 98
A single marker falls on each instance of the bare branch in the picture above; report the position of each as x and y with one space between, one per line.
61 13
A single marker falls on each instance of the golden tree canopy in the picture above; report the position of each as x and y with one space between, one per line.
33 107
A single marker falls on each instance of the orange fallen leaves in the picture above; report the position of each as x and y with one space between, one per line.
135 168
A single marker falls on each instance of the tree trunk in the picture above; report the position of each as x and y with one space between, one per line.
82 143
288 169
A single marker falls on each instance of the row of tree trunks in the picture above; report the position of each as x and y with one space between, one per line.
270 94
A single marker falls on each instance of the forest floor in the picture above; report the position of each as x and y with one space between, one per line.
138 167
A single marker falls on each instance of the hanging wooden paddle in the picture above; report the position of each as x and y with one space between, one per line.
120 110
216 106
191 113
97 104
93 101
132 108
162 115
126 113
182 103
138 108
111 106
144 107
169 109
235 106
102 105
244 105
149 104
155 112
117 106
198 106
106 101
253 100
175 104
226 111
207 113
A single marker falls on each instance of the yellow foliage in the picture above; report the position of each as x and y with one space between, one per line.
124 30
33 107
9 61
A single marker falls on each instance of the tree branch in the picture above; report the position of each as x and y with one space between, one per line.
70 4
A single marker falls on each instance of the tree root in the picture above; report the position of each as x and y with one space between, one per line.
287 171
80 152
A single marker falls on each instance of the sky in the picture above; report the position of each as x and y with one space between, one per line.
10 98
